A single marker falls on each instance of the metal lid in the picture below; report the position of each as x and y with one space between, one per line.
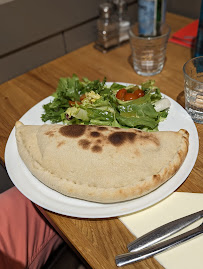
105 10
121 6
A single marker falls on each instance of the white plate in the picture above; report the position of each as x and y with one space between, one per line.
51 200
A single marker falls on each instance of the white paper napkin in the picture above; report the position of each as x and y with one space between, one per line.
185 256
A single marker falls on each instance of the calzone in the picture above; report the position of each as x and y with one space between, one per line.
100 163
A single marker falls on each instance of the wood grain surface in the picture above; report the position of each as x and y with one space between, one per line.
97 241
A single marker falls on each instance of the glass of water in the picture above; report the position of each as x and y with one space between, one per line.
193 88
148 52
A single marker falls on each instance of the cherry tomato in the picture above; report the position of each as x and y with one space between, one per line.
121 94
82 97
72 103
129 96
138 94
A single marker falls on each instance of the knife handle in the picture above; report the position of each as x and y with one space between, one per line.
163 232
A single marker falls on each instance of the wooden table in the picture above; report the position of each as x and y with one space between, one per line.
97 241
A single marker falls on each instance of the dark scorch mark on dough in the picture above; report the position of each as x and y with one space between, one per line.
73 130
96 149
118 138
84 143
95 134
102 128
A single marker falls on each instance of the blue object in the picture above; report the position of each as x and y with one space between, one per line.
147 17
199 41
151 13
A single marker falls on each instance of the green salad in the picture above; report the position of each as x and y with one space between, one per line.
98 103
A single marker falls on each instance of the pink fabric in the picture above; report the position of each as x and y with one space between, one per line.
26 238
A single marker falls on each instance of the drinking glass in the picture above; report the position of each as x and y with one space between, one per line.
193 88
148 52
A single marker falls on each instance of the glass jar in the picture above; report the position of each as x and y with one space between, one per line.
123 19
107 28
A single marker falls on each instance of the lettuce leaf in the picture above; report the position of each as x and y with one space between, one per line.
100 105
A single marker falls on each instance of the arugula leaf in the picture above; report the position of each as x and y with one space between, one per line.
116 86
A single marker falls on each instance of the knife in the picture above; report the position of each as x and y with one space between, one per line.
131 257
163 232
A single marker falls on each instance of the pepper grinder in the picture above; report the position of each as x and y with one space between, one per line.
107 28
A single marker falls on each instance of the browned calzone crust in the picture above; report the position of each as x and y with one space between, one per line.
101 164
